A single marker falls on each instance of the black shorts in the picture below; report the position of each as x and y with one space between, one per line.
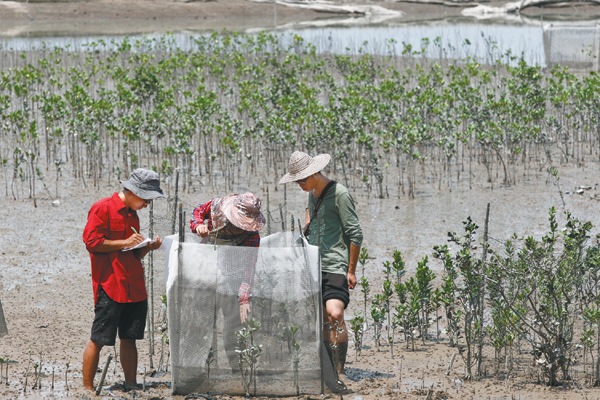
128 318
335 286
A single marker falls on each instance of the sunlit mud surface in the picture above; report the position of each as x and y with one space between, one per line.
47 291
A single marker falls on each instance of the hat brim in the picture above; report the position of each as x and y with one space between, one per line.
142 193
316 165
225 207
246 223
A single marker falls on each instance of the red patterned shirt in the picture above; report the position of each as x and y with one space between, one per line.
119 272
201 215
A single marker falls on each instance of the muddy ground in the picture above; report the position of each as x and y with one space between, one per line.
45 283
46 286
118 17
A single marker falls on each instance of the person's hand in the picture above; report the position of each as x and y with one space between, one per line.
157 243
352 280
133 240
244 311
202 230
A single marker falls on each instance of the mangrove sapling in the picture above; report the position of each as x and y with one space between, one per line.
393 323
423 279
587 343
387 296
363 259
365 289
546 276
248 353
67 376
378 312
297 355
27 371
35 374
398 266
467 290
554 172
590 300
407 318
6 382
357 326
436 303
210 359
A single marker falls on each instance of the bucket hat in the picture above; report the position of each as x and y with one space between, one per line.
145 184
242 210
302 166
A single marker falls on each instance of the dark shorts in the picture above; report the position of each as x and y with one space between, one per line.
128 318
335 286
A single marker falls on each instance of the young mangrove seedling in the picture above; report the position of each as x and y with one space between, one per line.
296 356
365 289
209 360
36 375
357 324
67 377
363 259
27 372
248 353
378 312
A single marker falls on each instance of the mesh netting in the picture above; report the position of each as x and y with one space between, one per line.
203 296
573 46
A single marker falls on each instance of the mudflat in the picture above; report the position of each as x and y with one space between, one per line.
46 287
114 17
45 281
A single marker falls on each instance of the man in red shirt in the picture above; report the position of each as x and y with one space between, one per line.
118 276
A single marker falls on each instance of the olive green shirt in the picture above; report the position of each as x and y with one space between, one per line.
337 225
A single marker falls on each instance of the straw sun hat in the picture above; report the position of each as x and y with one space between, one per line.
242 210
302 166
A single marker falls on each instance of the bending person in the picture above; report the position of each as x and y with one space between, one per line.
232 220
332 225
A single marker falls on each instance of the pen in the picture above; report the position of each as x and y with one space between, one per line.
134 231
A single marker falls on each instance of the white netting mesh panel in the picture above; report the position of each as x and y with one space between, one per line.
573 46
203 287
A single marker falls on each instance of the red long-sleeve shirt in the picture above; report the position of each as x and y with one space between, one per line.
119 272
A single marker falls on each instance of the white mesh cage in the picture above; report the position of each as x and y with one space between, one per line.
575 46
203 297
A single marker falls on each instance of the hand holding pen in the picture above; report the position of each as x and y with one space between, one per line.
139 238
134 239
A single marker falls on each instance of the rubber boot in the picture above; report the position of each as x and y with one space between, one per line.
330 352
342 349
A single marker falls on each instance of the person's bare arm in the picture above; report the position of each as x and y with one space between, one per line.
306 220
244 311
354 253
